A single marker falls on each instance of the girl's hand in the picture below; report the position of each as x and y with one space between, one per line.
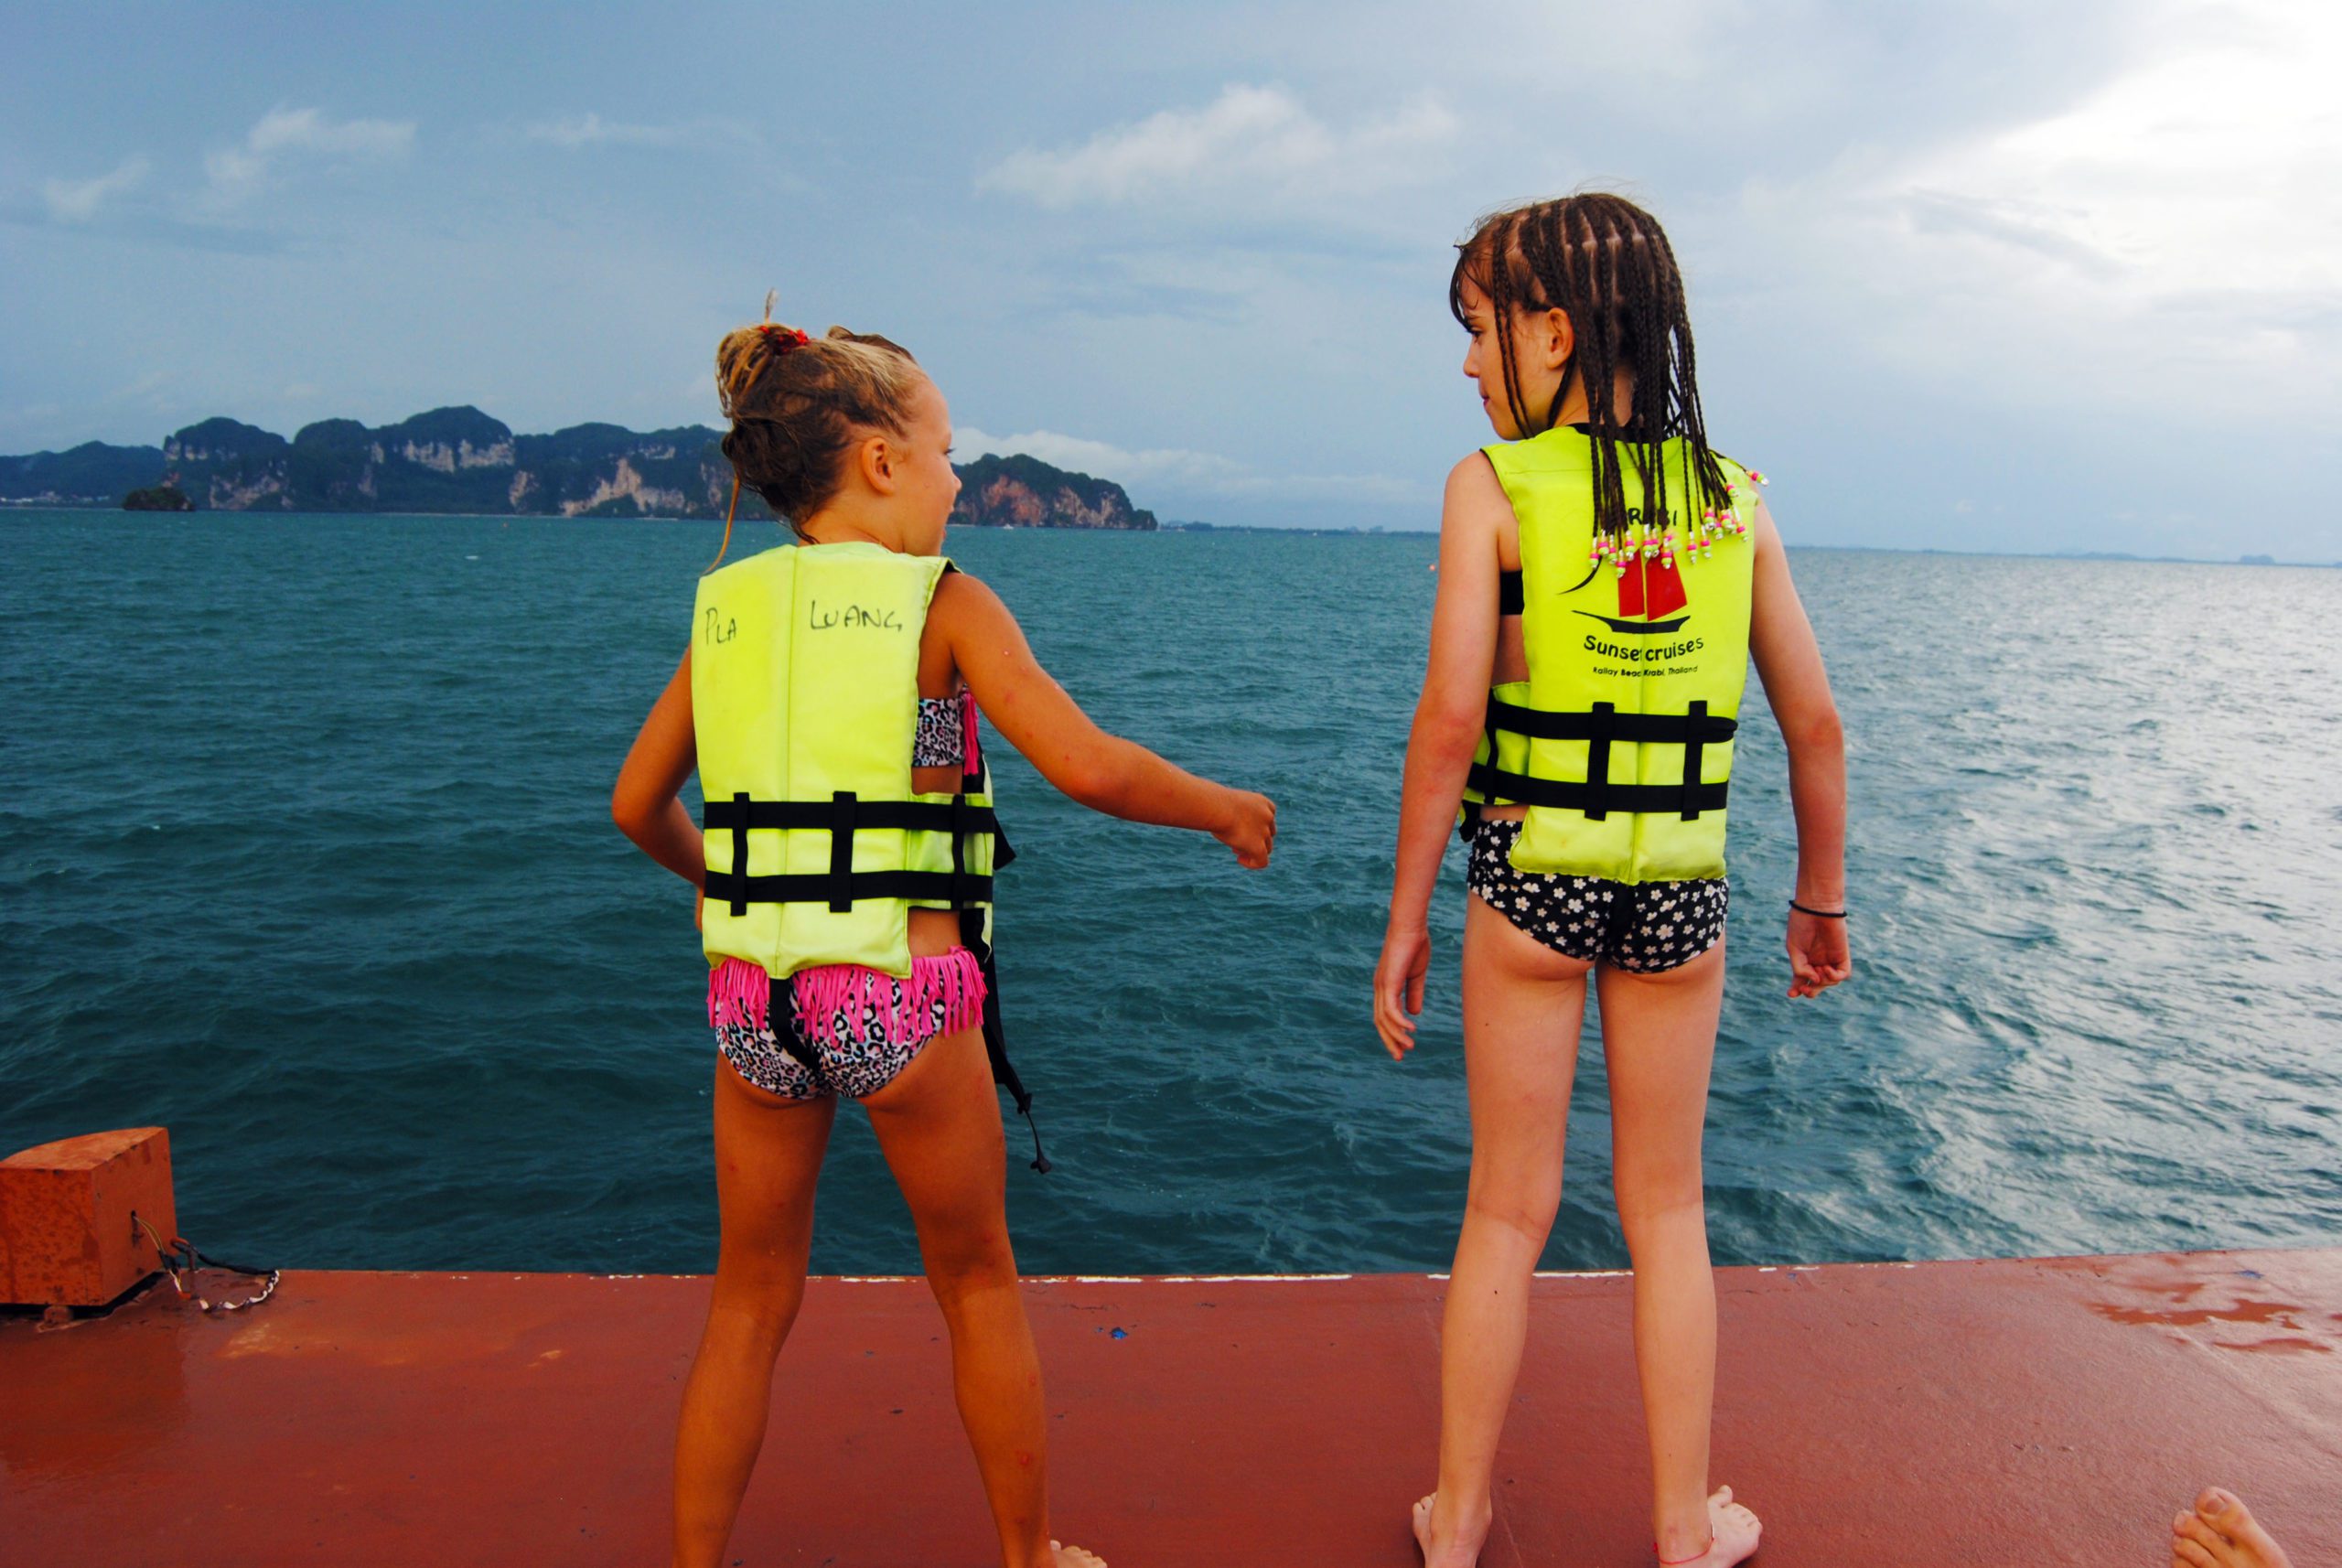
1103 772
1250 829
1398 987
699 910
1818 955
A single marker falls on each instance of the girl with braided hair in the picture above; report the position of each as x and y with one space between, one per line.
1605 578
827 702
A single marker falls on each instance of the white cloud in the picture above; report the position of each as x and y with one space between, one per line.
305 130
2212 167
1203 473
1254 141
1099 458
235 172
590 130
78 200
2175 235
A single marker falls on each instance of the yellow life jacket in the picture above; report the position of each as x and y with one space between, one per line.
1619 743
805 702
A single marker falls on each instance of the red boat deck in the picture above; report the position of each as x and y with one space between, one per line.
2005 1413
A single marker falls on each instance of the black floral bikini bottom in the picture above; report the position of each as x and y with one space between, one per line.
1645 927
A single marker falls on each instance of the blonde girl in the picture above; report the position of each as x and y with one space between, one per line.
862 973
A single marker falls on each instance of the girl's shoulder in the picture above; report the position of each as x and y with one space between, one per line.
962 600
1475 498
1475 474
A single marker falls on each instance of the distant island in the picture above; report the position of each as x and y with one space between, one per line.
461 460
157 498
1018 491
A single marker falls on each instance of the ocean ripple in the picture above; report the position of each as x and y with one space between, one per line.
304 853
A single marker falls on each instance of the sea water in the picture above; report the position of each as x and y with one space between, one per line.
306 854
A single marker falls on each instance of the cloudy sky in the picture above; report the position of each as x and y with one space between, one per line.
1964 276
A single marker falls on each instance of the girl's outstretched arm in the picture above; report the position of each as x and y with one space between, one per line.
1788 661
1449 718
1103 772
646 804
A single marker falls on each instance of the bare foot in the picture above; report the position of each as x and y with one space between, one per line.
1731 1535
1447 1544
2220 1531
1075 1557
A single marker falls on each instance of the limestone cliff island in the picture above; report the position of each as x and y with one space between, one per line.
1024 492
461 460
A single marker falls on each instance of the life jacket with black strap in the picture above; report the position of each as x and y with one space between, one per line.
1620 741
804 706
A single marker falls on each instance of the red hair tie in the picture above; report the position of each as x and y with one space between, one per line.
783 338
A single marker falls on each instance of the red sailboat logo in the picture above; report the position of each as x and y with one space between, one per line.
1651 598
1650 589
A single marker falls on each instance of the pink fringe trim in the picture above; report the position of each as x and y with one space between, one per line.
739 994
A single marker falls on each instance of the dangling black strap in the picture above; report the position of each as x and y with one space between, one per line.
794 1043
1003 1073
972 936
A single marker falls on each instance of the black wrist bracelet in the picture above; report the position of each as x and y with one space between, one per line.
1822 914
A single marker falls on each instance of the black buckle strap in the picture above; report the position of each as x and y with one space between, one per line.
1604 719
822 887
739 840
1694 740
1598 727
1502 787
926 816
1643 729
842 815
960 809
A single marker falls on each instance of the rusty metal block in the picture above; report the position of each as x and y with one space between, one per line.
66 1234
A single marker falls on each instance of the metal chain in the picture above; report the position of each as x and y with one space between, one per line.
179 1259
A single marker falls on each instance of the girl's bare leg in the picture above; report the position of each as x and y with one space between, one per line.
1524 1003
1659 1033
768 1156
939 1126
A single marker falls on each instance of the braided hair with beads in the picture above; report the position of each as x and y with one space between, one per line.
1605 264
